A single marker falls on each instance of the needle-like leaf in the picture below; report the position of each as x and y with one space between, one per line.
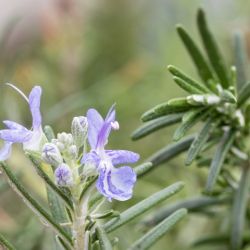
170 151
158 231
239 210
33 204
104 241
212 50
199 141
142 207
189 120
240 59
244 94
156 124
219 157
5 243
186 82
197 57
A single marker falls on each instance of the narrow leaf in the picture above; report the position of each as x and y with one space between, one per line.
219 157
143 169
199 141
49 133
166 108
158 231
197 57
142 206
240 59
5 243
156 124
212 50
239 210
103 238
186 82
219 239
189 120
244 94
170 151
187 87
212 240
33 204
192 205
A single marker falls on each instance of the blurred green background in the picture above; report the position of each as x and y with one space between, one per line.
94 53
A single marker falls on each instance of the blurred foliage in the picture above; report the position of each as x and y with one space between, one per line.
98 53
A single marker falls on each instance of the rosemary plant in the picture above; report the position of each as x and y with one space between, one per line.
220 102
80 174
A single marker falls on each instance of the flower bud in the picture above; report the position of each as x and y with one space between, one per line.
79 130
73 152
51 154
63 175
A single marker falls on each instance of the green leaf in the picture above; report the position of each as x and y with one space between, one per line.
96 245
192 205
170 151
50 183
212 240
212 50
142 207
240 55
33 204
156 124
172 106
103 238
239 210
62 244
244 94
5 243
49 133
143 169
158 231
187 87
186 82
197 57
199 141
219 157
189 120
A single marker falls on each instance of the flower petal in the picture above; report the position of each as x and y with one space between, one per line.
35 142
106 128
14 125
34 102
91 158
5 151
95 123
15 135
122 156
116 183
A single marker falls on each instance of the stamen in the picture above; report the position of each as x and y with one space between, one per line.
115 125
18 91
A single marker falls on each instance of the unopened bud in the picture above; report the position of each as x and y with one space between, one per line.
63 175
73 152
79 130
51 154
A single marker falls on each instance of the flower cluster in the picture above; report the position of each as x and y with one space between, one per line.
68 154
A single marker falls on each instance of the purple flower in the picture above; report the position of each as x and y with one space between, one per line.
113 183
16 133
63 175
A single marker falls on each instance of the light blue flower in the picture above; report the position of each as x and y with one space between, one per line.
16 133
113 183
